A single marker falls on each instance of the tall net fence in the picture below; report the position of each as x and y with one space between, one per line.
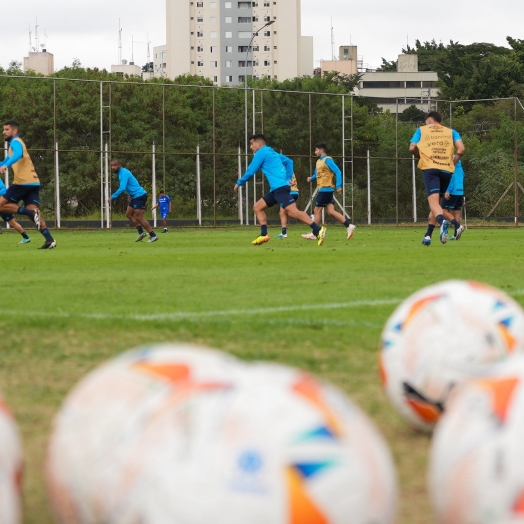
191 142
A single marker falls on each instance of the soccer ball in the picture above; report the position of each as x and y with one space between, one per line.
180 434
441 335
476 469
10 468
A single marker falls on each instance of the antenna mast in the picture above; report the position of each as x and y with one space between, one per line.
332 41
149 67
30 40
37 40
119 43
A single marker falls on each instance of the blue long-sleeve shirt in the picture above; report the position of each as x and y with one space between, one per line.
269 162
338 174
129 184
289 166
18 153
456 184
3 189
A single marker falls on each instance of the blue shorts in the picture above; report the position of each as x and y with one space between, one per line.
163 214
455 202
6 218
28 194
436 181
139 203
281 195
295 196
324 198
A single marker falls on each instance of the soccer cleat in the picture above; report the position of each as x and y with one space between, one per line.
458 232
36 218
165 230
281 235
321 235
444 231
351 231
153 239
49 245
426 241
260 240
141 237
25 241
309 236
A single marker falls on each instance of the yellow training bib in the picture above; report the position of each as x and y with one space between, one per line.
436 148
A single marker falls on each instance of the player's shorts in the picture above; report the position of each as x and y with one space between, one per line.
436 181
139 203
324 198
30 195
6 218
163 215
281 196
455 202
295 196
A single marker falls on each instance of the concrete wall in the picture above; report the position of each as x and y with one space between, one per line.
42 63
179 40
407 63
160 58
346 67
307 63
127 69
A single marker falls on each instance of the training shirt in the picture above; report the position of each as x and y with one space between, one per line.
129 184
456 184
269 162
163 204
3 189
325 160
289 166
19 160
436 147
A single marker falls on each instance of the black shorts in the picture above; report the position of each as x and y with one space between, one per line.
139 202
6 218
295 196
436 181
325 198
281 195
455 202
28 194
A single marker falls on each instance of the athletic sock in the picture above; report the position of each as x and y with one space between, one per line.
263 231
429 232
347 223
440 219
47 235
315 227
284 230
152 234
23 211
24 235
140 229
455 223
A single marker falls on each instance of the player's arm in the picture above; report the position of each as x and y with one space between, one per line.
123 177
18 153
413 145
459 145
289 166
154 207
313 176
338 174
253 167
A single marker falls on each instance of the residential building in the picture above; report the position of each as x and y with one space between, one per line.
126 69
42 63
347 62
211 39
160 61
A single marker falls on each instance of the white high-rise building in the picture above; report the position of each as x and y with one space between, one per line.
211 38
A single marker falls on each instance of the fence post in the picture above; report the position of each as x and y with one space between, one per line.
6 151
153 182
414 189
57 188
240 210
369 189
106 188
198 188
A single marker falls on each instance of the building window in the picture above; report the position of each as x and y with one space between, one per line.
191 18
255 19
229 63
244 5
229 20
413 84
383 84
267 33
192 32
267 48
267 19
213 5
227 5
244 34
274 61
200 4
255 63
254 4
429 83
241 78
244 19
267 63
213 19
274 47
192 48
229 79
229 48
214 49
214 78
213 64
200 64
274 18
242 63
192 62
266 4
200 34
200 19
213 34
229 34
255 48
200 48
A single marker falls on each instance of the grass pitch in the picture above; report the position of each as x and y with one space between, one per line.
320 309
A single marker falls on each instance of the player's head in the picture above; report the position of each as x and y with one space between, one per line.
162 192
10 129
115 165
433 117
320 149
256 142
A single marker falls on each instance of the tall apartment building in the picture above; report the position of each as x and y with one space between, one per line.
211 38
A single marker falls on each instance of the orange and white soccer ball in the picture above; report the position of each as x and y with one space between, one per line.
476 472
441 335
11 463
180 434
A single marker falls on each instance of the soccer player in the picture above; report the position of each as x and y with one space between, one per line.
435 145
292 179
164 202
269 162
325 172
25 186
10 219
137 203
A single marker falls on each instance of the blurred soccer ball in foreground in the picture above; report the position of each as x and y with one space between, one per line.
441 335
180 434
477 458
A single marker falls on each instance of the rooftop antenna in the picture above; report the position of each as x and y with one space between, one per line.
332 41
44 47
133 42
119 43
37 40
149 68
30 40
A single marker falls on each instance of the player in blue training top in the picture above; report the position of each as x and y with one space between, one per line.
164 203
289 166
10 219
454 197
325 171
279 189
137 200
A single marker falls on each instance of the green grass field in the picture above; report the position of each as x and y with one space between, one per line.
320 309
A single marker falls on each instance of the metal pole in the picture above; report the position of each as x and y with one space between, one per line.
199 190
344 152
414 189
214 161
6 151
240 210
369 189
108 209
396 163
516 163
255 177
352 163
57 188
102 203
153 181
164 137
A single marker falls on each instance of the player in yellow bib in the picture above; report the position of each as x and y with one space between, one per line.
25 186
439 148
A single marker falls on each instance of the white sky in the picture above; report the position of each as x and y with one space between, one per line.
380 28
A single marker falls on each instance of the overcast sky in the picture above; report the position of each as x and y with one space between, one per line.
88 31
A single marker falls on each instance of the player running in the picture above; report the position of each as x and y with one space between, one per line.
435 145
164 202
269 162
289 166
137 203
325 171
10 219
25 186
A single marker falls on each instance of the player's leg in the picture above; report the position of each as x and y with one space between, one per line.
259 208
139 217
164 222
31 199
283 223
432 224
350 228
457 211
19 229
434 180
317 213
14 194
293 212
